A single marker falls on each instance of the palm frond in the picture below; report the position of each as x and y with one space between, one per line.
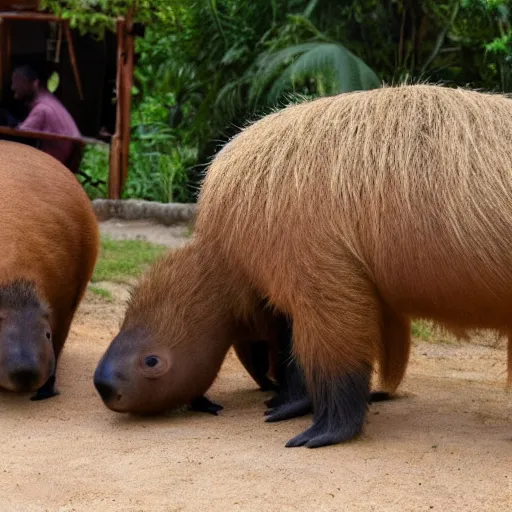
338 69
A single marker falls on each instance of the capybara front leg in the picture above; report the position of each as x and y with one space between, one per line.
203 404
292 400
47 390
337 320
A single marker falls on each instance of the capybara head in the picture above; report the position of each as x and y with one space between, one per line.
26 351
172 340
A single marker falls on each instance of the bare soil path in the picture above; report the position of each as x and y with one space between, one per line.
445 445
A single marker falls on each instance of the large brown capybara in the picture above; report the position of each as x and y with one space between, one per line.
352 214
49 239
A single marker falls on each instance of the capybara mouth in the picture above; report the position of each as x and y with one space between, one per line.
25 381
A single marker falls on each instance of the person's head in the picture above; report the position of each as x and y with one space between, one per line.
25 83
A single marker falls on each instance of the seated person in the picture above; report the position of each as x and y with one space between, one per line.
47 114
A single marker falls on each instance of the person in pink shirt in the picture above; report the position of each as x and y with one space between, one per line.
47 113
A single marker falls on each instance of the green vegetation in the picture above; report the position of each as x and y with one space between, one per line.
122 261
101 292
422 330
207 68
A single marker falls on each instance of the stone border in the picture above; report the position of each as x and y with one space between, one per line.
133 209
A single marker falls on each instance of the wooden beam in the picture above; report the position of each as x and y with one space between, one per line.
5 130
28 16
72 58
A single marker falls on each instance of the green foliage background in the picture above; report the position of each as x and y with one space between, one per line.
207 67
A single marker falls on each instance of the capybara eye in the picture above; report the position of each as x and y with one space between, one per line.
49 335
151 361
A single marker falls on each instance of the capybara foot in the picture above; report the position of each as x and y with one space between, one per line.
267 385
289 410
276 401
339 410
380 396
202 404
47 390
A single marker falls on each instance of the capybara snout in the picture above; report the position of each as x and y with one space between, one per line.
123 376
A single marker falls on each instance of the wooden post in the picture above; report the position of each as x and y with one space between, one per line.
72 58
5 54
126 97
114 184
114 177
3 81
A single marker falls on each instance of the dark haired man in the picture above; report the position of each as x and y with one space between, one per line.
47 114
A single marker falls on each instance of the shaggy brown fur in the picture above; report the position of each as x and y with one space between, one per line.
49 239
352 214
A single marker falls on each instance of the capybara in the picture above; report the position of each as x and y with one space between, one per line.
351 214
49 238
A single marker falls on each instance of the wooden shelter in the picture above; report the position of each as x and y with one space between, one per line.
95 79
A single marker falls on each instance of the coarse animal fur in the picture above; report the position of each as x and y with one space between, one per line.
49 239
351 214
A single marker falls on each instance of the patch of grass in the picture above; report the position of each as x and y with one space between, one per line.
422 330
97 290
121 261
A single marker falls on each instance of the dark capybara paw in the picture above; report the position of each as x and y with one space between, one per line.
289 410
321 433
380 396
202 404
276 401
339 406
47 390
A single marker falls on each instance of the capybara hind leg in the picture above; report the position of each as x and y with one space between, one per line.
394 351
292 400
337 328
254 356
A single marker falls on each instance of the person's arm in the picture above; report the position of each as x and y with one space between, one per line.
35 121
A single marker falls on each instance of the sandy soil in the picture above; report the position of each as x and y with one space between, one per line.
444 445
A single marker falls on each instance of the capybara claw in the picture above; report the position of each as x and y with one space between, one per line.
316 436
202 404
289 410
47 390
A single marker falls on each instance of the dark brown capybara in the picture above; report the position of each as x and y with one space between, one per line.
352 214
49 239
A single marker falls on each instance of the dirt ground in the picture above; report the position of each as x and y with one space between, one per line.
445 445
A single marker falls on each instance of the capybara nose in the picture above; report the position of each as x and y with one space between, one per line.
25 379
106 390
